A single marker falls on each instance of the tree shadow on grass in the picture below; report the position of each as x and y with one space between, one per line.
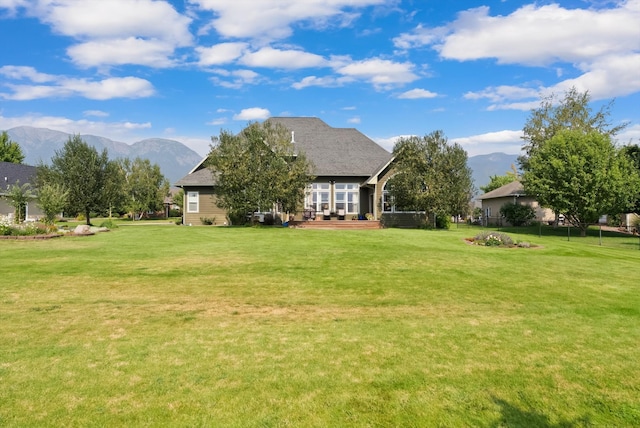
514 416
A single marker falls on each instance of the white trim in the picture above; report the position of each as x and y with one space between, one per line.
189 195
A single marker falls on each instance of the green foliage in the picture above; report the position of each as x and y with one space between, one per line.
571 112
109 224
497 181
257 168
633 152
493 239
83 173
143 187
178 199
10 151
443 221
517 214
431 175
208 221
52 198
23 229
18 196
581 175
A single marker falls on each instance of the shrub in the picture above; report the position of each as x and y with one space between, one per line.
208 221
517 214
493 239
109 224
443 221
5 226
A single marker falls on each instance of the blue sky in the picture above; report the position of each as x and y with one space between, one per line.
187 69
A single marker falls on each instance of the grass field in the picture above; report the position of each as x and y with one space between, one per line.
261 327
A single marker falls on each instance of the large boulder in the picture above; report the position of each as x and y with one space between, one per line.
82 229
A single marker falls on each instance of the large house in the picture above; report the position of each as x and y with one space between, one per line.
351 171
510 193
14 173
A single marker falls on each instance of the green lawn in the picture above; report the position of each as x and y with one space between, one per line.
259 327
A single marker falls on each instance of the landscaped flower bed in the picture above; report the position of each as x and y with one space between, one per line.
12 230
496 239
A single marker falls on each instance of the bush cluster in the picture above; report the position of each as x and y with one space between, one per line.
493 239
8 228
208 221
517 214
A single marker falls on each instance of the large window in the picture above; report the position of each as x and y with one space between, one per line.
193 199
319 197
347 196
388 204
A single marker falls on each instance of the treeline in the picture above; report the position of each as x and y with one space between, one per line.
82 181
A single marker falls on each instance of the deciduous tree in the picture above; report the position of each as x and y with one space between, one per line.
572 111
82 171
144 186
18 196
10 151
431 175
633 152
497 181
582 175
52 198
258 168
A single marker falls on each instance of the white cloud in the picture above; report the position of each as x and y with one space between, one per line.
63 87
610 76
381 73
500 93
630 134
354 120
95 113
390 142
420 36
273 19
533 34
238 78
414 94
603 44
119 131
152 53
217 122
277 58
117 32
16 72
325 82
223 53
506 141
254 113
12 5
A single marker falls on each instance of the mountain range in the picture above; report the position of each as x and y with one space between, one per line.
176 160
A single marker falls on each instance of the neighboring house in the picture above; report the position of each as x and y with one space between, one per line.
510 193
14 173
630 222
350 169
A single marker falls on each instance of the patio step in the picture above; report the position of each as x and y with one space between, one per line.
338 224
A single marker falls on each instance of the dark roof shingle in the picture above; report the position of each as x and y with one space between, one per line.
334 151
11 173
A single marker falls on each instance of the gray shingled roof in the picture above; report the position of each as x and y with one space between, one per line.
514 188
202 176
10 173
335 151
